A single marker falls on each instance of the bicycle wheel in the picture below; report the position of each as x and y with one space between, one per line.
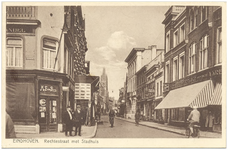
187 132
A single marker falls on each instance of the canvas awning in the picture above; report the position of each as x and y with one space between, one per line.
216 98
197 94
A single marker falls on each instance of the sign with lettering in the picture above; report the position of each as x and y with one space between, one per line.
198 77
19 29
48 89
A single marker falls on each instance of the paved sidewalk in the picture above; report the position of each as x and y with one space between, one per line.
169 128
86 132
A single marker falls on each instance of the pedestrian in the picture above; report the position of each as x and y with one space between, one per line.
209 121
68 120
137 117
78 119
10 131
111 117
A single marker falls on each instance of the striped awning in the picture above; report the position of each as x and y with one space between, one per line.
204 96
216 98
198 94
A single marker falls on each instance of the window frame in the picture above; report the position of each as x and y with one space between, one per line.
49 50
175 71
203 52
181 65
192 58
14 46
218 49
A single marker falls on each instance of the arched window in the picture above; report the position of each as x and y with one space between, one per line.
14 52
49 49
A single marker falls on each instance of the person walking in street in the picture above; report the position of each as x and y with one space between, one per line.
68 116
209 121
111 117
137 117
193 118
10 131
78 119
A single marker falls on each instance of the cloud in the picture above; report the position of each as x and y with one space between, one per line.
106 52
119 40
111 57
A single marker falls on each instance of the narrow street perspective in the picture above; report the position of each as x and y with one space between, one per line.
124 129
72 69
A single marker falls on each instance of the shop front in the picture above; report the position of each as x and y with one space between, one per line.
35 100
178 102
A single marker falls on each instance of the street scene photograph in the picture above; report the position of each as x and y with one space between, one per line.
79 73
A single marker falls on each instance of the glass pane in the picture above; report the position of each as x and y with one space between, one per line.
18 58
52 60
44 59
14 42
51 44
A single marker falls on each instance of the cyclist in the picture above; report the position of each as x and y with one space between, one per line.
193 118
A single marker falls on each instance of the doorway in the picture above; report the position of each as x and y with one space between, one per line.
48 114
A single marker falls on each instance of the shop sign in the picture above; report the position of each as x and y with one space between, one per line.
198 77
19 29
48 89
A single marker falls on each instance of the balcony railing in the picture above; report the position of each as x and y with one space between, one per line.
20 12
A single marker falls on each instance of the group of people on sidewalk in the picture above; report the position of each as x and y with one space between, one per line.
73 119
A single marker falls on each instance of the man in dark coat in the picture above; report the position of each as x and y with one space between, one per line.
68 116
78 119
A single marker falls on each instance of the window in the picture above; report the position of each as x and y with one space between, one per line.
160 87
176 38
191 21
14 52
219 46
175 69
167 42
192 50
181 66
157 88
203 13
178 114
195 19
49 53
167 73
182 33
203 52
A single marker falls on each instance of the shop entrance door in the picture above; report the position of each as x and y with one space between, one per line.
48 114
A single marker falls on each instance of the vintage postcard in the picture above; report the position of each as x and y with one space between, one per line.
114 75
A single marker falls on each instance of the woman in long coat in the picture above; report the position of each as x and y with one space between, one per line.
209 121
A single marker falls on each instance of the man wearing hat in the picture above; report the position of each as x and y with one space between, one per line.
68 118
193 118
78 118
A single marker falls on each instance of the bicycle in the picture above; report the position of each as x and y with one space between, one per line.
196 131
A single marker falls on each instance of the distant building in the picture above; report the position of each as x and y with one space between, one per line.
103 92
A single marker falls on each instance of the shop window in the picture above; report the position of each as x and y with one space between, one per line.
192 57
49 53
14 52
219 46
203 54
178 114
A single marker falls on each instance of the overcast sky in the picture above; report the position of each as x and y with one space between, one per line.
112 32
